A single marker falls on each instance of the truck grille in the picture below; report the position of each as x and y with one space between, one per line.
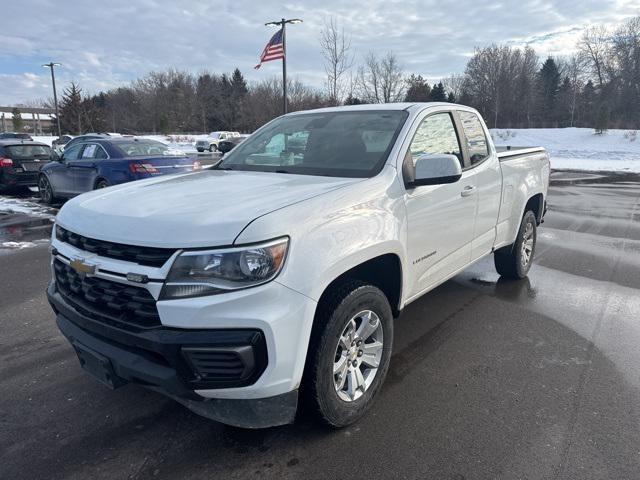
149 256
106 301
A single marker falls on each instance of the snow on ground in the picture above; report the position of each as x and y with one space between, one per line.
579 148
25 206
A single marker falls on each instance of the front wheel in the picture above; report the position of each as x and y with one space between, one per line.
213 148
514 261
349 352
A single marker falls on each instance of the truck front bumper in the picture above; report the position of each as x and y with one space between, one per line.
163 359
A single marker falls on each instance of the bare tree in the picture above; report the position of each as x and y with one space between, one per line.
335 47
453 84
380 80
573 68
594 47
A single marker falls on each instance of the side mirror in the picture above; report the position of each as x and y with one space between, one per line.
436 170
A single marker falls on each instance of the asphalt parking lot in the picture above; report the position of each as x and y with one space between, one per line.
531 379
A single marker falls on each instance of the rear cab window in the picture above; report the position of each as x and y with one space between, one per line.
475 137
19 152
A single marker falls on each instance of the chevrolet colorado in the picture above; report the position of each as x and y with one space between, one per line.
279 273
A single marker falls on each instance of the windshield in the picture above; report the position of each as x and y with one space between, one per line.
28 151
146 148
337 144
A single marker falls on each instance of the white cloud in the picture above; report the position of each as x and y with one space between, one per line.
114 41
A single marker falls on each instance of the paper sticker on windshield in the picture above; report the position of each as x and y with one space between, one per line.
89 151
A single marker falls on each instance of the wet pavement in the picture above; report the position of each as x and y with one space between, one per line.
537 378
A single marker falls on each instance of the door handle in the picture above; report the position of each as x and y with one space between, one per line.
468 190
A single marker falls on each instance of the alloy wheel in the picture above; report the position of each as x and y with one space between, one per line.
527 245
358 355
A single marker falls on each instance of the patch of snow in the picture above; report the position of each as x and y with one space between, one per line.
578 148
22 245
19 205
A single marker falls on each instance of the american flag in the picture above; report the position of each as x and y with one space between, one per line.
274 49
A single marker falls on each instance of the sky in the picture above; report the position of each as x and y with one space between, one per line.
109 43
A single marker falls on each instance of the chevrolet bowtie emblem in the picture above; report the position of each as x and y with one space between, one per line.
82 268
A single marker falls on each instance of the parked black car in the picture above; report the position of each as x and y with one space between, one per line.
20 136
20 162
227 145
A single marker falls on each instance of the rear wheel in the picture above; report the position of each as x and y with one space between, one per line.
45 190
514 261
349 352
102 183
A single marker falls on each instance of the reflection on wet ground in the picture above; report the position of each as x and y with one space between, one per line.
24 221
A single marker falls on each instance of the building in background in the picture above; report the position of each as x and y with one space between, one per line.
36 121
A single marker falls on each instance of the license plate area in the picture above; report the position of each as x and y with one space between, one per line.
98 366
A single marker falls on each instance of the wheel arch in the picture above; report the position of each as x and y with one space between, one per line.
536 205
383 271
98 179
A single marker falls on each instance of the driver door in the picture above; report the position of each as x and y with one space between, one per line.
85 168
61 177
440 217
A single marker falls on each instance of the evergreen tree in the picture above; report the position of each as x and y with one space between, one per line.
418 89
549 84
438 94
451 98
588 99
351 100
71 109
238 84
163 124
16 119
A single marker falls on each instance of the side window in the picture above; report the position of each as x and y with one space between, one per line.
436 135
100 153
89 150
476 139
73 152
93 151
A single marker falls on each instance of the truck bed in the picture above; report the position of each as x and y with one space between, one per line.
507 152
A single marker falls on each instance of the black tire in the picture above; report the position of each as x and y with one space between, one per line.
338 307
213 148
101 183
46 190
200 150
511 261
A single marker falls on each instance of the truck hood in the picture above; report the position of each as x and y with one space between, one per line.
203 209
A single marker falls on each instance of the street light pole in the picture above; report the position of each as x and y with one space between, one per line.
55 94
282 23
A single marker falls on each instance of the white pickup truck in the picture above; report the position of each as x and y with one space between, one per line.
279 273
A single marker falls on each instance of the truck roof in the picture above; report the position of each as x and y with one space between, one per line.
381 106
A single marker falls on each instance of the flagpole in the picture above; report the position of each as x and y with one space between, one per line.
284 67
282 23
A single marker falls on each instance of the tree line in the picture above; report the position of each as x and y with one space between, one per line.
597 87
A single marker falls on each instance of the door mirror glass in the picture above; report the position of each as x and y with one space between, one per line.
436 170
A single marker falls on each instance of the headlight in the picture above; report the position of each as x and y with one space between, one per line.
198 273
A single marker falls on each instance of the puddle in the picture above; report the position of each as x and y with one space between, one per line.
24 223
